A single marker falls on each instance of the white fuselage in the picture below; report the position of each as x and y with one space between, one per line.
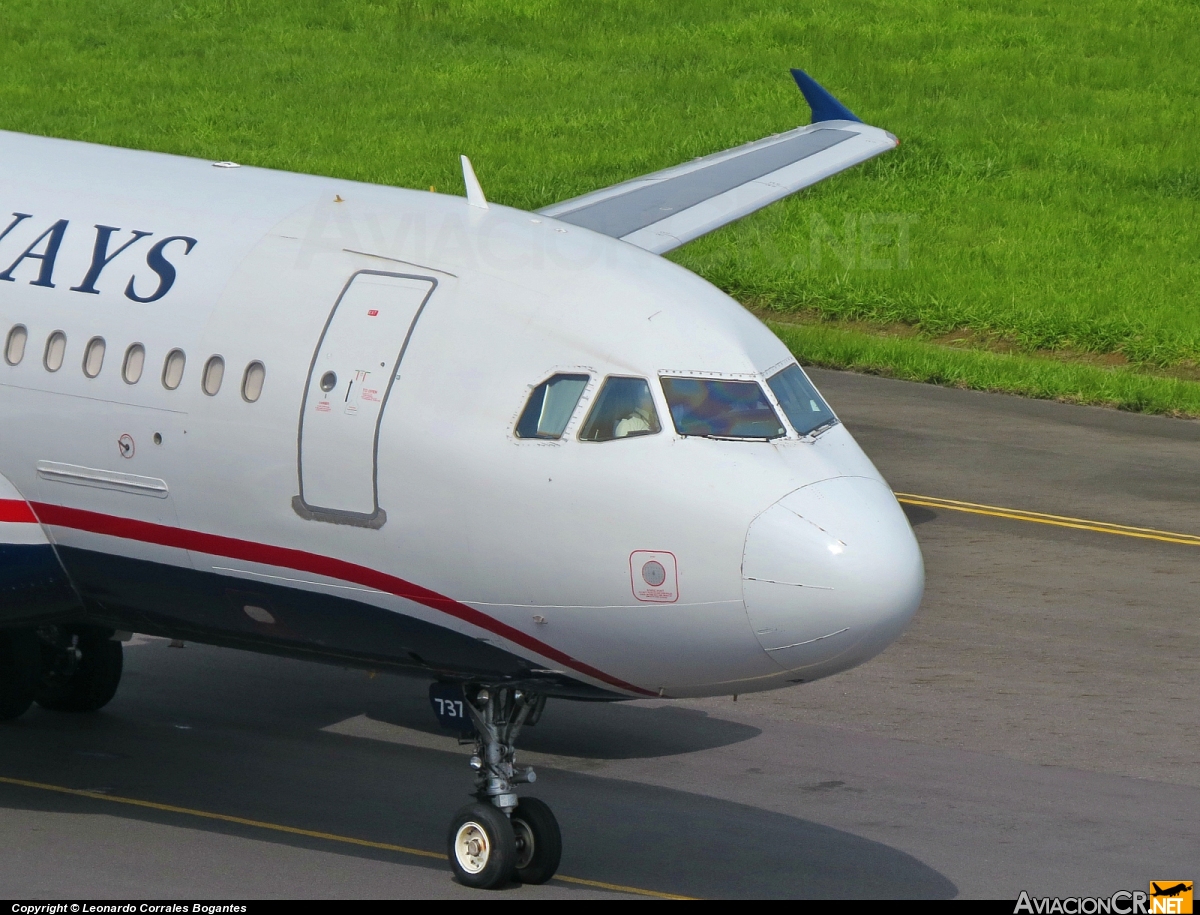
787 560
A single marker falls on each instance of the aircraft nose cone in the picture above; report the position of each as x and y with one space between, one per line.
831 575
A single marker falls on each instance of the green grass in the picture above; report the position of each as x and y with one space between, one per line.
830 346
1044 200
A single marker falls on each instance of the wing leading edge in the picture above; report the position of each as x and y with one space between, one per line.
665 209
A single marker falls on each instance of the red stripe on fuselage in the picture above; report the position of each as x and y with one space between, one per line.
16 510
313 563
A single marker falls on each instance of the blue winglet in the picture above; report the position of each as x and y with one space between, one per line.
824 106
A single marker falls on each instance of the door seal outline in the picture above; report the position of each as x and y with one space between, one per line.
377 518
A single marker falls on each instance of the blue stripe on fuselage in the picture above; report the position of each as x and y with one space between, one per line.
33 587
160 599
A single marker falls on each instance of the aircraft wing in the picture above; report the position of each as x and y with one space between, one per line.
663 210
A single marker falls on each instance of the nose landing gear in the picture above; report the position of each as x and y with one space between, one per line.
501 836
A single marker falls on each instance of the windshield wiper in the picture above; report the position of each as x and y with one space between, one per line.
824 427
731 438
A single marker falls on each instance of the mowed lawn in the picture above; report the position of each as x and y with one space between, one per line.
1044 200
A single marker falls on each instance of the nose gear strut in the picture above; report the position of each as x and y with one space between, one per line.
501 836
499 714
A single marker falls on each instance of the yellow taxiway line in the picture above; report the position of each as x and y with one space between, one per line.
617 888
1017 514
296 831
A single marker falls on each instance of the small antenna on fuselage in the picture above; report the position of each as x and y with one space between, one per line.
474 189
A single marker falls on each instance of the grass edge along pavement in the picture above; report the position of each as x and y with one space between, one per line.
1045 196
830 346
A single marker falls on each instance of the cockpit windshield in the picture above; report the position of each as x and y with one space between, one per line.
550 406
805 408
623 408
718 408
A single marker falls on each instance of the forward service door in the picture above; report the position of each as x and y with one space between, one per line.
354 367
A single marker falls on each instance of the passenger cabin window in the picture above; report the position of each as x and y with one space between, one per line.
14 347
623 408
214 374
135 362
173 369
716 408
252 381
56 349
93 357
550 407
806 410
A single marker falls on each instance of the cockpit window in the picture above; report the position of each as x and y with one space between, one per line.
550 406
805 408
721 409
623 408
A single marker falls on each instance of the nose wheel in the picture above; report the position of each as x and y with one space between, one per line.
502 837
539 842
483 847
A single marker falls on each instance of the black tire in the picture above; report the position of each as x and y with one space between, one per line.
19 659
539 841
482 847
92 682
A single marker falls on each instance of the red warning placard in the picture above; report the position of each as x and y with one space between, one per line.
654 575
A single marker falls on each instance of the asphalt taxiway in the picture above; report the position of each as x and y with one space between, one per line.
1035 729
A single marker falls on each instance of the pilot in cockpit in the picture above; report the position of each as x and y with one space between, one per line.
623 408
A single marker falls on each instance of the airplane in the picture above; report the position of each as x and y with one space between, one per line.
517 454
1175 890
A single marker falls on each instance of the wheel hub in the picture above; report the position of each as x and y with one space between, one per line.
471 848
525 847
